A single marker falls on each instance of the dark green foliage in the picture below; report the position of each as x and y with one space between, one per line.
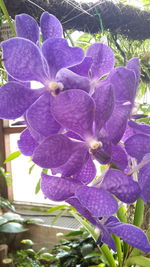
79 251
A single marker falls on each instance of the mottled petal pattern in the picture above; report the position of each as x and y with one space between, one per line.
24 61
123 81
50 26
53 152
134 65
144 182
39 116
103 154
103 59
27 27
75 162
131 234
104 100
88 171
107 239
139 127
83 68
116 124
138 145
15 100
27 143
98 201
74 110
59 55
71 80
58 189
121 185
119 156
83 211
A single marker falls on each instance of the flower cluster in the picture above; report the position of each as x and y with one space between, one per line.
81 113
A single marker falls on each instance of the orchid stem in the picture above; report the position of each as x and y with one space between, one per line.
139 212
4 9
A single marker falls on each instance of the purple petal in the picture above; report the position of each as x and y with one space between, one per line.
107 239
87 173
58 189
144 182
74 110
116 124
128 132
139 127
138 145
27 27
59 55
82 210
71 80
103 154
15 99
131 234
134 65
50 26
119 157
26 143
11 79
75 162
103 59
39 116
53 152
104 100
24 61
98 201
111 221
83 68
123 81
73 135
121 185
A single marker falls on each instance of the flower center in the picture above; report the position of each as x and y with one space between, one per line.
55 87
94 144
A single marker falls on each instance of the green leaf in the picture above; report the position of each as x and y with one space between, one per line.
59 207
38 186
121 214
4 9
30 251
91 255
139 260
47 256
74 233
108 255
33 221
10 216
28 242
3 220
31 168
86 249
12 156
41 251
118 248
12 227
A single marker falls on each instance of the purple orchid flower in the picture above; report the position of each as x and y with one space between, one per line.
93 203
137 145
77 112
25 62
